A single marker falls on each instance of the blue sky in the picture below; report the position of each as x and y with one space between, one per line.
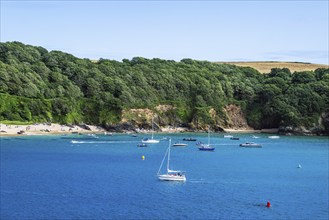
173 30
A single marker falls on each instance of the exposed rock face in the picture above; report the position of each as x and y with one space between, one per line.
324 120
290 130
137 116
322 128
164 116
143 118
84 126
126 126
235 118
164 108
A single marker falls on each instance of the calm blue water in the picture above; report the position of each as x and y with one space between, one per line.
50 178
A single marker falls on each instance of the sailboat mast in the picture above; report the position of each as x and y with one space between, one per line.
208 136
168 154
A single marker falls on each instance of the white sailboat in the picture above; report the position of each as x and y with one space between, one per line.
171 175
148 140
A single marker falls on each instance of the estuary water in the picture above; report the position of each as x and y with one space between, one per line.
49 177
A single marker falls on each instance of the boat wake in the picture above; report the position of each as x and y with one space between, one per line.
198 181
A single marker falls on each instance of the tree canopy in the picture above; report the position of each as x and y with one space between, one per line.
38 85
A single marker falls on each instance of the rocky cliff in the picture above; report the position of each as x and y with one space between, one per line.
235 118
321 128
164 116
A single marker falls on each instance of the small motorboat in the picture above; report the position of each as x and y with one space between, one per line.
251 144
235 138
274 137
177 144
142 145
189 139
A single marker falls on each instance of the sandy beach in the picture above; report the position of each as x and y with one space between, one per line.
46 129
43 129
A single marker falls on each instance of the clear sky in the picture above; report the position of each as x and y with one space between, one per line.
202 30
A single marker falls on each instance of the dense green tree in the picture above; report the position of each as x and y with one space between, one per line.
320 73
303 77
37 85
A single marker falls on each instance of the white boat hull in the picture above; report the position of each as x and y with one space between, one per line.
179 145
228 136
151 141
170 177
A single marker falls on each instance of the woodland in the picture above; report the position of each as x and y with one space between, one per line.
37 85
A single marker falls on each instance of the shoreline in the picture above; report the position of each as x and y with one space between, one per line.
46 129
57 129
267 131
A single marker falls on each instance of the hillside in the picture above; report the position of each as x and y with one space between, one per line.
265 67
37 85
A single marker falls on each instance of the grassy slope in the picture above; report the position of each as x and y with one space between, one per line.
265 67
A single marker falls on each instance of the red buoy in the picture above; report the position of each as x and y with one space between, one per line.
268 205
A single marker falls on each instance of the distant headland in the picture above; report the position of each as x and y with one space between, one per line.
266 66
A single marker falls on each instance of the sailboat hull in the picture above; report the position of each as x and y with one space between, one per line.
169 177
207 148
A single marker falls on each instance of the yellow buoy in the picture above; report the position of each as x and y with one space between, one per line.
143 157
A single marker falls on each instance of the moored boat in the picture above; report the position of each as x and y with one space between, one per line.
142 145
251 144
178 144
206 147
189 139
274 137
150 140
171 175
